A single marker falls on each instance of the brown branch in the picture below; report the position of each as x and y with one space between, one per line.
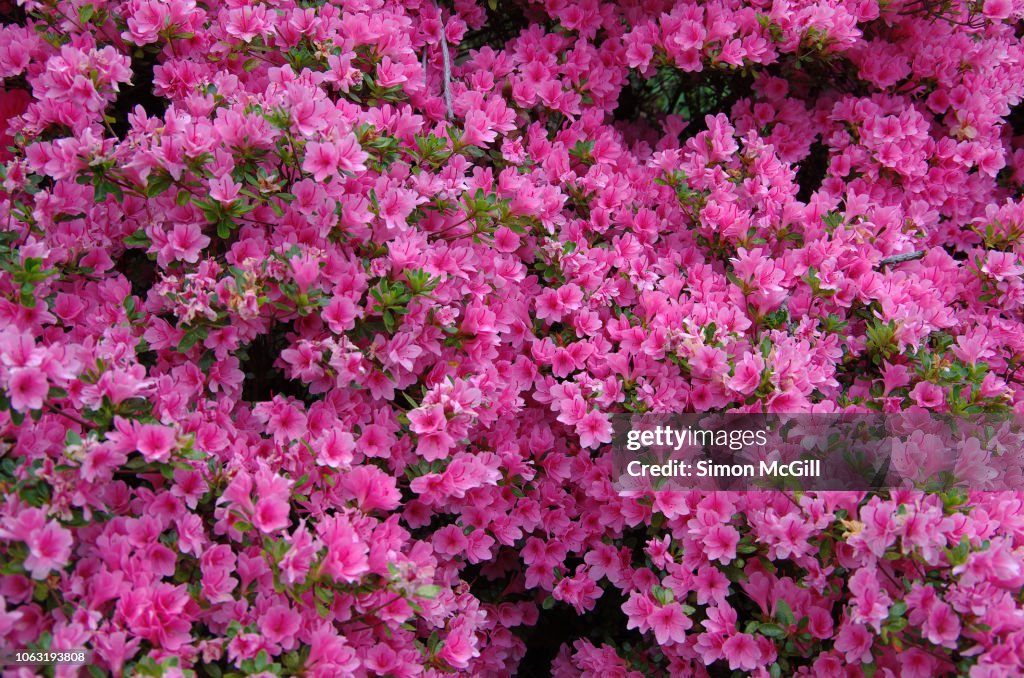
899 259
446 58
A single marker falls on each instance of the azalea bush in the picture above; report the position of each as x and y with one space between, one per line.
313 316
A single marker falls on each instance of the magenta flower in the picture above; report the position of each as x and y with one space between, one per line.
161 614
742 652
321 160
27 387
594 429
720 543
669 624
49 548
155 442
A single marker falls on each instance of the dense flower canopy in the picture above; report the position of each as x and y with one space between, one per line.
313 315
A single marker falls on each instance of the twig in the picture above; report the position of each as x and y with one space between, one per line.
900 258
446 57
56 410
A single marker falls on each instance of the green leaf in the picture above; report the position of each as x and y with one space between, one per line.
138 239
157 184
771 630
784 613
896 625
958 555
430 591
663 595
189 340
832 220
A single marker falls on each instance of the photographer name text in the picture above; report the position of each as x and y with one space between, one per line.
804 468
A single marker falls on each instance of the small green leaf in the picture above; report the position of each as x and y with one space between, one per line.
784 613
663 595
430 591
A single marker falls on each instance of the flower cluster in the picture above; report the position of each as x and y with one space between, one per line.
313 316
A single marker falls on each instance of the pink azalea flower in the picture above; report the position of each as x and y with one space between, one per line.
742 652
27 387
49 548
720 543
321 160
280 624
270 514
669 623
942 625
336 449
594 429
155 442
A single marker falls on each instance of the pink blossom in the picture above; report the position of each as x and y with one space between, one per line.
720 543
855 642
742 652
594 428
336 449
27 387
270 514
183 243
942 626
155 442
49 548
160 614
669 623
927 394
280 624
321 160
